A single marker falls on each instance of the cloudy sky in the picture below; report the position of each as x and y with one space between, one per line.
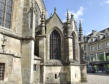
93 13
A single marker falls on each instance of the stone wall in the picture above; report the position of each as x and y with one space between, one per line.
54 74
37 71
10 54
12 69
17 43
11 44
75 73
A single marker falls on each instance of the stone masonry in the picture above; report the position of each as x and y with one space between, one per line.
36 50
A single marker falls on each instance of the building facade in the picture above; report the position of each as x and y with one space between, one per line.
36 50
97 49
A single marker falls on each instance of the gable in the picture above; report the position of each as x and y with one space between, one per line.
52 22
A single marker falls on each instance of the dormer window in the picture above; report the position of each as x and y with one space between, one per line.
106 35
91 39
5 13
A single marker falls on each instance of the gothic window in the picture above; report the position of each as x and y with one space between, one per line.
2 70
36 47
55 45
5 13
73 42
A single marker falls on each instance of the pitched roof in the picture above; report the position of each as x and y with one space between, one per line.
47 21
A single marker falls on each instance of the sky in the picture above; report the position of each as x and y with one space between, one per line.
94 14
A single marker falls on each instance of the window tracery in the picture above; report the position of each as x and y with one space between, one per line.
5 12
55 45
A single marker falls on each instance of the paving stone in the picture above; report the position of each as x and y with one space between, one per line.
97 78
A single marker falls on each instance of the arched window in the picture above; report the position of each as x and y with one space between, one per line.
5 13
74 47
55 45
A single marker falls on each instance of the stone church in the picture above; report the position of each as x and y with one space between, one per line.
37 50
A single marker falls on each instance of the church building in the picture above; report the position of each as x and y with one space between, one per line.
38 50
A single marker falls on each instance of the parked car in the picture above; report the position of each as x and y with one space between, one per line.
90 69
107 70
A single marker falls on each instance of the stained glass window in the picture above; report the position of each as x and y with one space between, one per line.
55 45
73 41
2 70
5 13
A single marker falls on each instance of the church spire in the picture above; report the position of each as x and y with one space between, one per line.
55 10
72 17
80 30
68 24
43 22
67 16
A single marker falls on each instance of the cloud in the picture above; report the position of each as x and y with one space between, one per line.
107 1
78 14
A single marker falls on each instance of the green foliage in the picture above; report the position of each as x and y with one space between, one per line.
108 66
107 58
